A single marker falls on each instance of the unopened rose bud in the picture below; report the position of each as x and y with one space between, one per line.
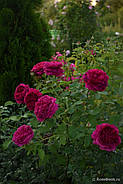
88 125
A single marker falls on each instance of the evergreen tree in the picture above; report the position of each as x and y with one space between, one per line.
24 41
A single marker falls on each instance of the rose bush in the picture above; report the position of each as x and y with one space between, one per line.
64 120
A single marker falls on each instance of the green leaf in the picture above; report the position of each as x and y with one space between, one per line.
28 114
61 130
8 103
104 93
41 154
34 122
94 112
87 141
15 118
78 103
71 110
62 140
6 144
97 96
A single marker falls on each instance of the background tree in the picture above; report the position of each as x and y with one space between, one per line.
111 15
24 40
73 21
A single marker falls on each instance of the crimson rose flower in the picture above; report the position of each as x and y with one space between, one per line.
38 69
96 80
20 93
31 97
106 137
53 68
45 107
23 135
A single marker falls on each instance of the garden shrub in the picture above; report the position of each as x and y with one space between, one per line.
24 40
64 121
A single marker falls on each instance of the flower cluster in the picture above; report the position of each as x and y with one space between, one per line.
49 68
26 95
96 80
38 103
43 106
23 135
106 136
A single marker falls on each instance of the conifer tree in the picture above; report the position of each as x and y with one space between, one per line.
24 41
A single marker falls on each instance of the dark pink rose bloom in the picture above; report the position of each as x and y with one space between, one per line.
38 69
45 107
20 93
106 136
31 97
53 68
95 80
23 135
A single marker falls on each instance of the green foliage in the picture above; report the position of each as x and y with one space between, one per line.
110 15
62 150
74 21
24 40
